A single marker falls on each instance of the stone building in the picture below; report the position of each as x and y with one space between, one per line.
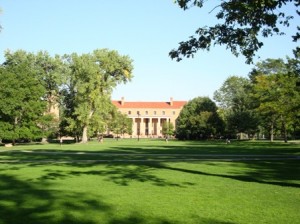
148 117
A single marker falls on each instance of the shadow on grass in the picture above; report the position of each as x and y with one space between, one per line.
26 202
279 172
161 147
120 174
23 202
264 171
285 173
214 147
34 200
135 219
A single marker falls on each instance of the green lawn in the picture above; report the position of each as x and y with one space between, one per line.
128 184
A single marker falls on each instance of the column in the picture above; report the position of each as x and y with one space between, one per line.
142 126
150 126
158 127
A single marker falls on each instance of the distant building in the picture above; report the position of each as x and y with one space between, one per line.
148 117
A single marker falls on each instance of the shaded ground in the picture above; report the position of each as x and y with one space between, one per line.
53 185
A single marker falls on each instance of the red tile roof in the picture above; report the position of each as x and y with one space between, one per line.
152 105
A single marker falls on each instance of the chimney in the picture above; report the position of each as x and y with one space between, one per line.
171 101
122 101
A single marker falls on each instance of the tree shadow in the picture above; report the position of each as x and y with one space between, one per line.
26 202
119 173
214 147
139 162
265 173
137 219
285 173
31 201
183 147
34 203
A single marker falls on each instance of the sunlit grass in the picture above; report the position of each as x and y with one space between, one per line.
150 192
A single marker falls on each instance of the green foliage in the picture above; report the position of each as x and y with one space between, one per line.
268 101
87 94
21 93
277 94
168 129
199 120
233 93
120 123
33 84
49 125
242 23
51 72
236 105
246 121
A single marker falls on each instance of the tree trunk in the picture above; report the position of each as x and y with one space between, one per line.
285 136
15 125
284 130
44 140
84 138
85 128
76 138
272 132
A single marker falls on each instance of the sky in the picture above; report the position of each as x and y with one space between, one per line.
144 30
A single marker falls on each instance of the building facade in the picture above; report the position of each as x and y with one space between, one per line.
148 117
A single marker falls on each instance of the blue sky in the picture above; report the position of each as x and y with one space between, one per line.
144 30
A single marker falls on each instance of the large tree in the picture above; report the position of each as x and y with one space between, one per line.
92 79
276 92
21 106
236 105
198 120
242 26
49 72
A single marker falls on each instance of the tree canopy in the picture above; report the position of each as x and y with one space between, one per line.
34 86
167 129
21 106
242 26
277 95
199 120
236 106
91 80
265 103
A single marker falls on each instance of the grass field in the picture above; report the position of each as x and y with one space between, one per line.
126 181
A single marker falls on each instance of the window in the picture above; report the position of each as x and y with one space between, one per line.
138 112
154 112
174 112
164 112
129 112
146 112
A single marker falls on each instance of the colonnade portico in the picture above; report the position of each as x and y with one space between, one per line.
148 126
148 117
